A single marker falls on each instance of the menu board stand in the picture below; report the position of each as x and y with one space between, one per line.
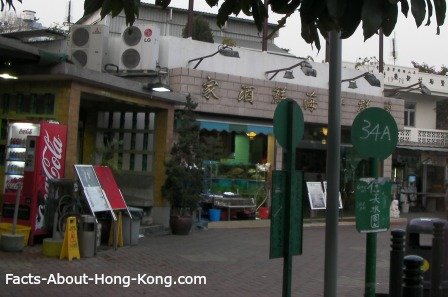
93 192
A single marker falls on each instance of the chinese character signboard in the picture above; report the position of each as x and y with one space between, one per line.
208 89
278 94
246 94
310 103
372 197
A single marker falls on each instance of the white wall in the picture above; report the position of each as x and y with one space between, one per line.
176 52
425 115
400 76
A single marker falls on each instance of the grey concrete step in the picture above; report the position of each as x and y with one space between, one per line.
154 230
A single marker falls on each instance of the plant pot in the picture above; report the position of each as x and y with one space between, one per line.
181 225
263 212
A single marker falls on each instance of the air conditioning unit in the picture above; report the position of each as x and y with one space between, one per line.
139 48
88 45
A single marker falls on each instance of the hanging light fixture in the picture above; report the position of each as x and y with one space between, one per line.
159 86
306 67
288 74
369 77
251 135
417 86
352 84
6 71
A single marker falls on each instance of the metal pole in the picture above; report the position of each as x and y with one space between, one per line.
264 44
333 165
396 263
290 167
190 19
371 242
437 259
381 52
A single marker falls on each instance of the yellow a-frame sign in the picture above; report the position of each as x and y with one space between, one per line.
70 247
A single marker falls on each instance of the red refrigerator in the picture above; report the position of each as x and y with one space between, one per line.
44 159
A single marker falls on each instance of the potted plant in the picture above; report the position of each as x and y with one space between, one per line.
262 195
184 174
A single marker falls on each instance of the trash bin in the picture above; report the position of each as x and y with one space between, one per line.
215 214
419 234
87 234
131 227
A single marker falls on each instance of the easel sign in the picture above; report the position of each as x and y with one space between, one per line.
316 195
111 189
325 193
92 190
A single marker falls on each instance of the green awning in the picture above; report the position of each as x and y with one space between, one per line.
221 126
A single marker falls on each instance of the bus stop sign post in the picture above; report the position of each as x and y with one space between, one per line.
286 207
374 134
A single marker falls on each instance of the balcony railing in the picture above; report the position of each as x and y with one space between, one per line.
423 136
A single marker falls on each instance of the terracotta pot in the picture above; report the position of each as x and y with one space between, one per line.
181 225
263 213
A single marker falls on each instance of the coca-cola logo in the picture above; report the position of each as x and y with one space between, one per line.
51 159
28 131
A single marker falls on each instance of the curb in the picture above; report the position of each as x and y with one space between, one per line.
306 224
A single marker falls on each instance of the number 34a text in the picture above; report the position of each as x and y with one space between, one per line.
375 132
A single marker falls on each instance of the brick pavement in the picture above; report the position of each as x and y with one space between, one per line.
235 262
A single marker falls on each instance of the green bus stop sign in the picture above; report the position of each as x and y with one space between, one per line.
374 133
288 109
372 197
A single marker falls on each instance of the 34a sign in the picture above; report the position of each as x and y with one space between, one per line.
374 133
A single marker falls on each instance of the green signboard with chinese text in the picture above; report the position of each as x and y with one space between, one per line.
372 199
278 214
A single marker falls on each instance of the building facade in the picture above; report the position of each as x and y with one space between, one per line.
420 160
237 90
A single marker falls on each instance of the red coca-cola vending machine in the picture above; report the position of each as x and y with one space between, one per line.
44 159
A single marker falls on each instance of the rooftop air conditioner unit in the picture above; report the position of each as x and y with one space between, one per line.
88 45
139 48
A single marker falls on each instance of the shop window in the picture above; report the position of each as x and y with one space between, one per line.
409 114
4 106
49 103
126 139
435 179
27 103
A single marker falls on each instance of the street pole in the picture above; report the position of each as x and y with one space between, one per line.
381 51
290 163
333 165
190 19
371 243
264 44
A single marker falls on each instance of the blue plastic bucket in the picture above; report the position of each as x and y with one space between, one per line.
215 214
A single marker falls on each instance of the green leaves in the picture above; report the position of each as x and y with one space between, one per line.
372 16
440 8
341 15
390 14
163 3
418 10
259 13
114 7
336 8
349 22
324 15
8 3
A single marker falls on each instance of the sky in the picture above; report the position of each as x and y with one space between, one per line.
421 45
